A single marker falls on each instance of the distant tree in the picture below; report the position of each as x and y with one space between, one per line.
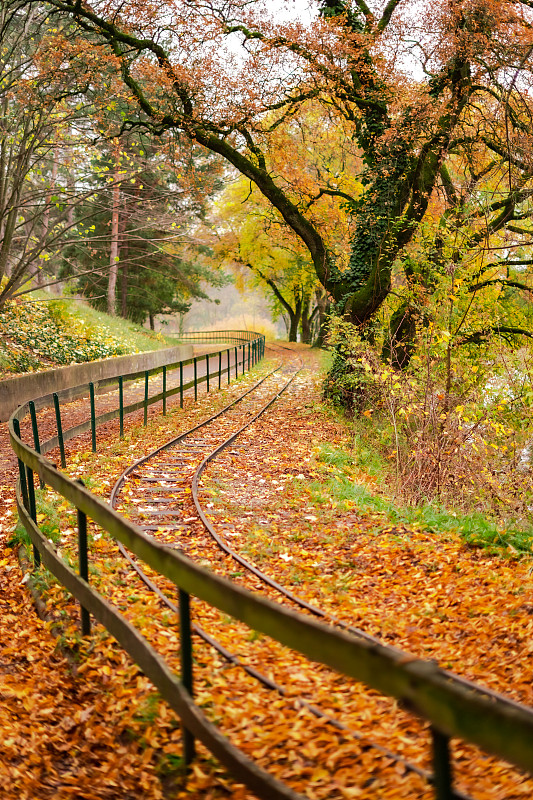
254 241
137 256
253 234
36 146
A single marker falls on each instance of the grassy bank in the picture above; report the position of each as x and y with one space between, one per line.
358 479
43 333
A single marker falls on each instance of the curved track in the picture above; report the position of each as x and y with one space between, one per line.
161 493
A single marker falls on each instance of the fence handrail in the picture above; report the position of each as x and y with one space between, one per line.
495 723
83 427
215 336
104 384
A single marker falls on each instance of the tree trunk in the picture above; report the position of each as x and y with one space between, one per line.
152 322
399 344
46 215
71 186
294 317
293 328
114 249
306 319
322 303
124 268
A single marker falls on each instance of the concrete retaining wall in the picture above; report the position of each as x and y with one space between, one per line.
15 391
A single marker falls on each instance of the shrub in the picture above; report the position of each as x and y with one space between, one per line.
44 332
452 428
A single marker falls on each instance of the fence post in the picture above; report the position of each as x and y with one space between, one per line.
22 473
207 370
442 768
236 371
219 368
34 427
33 513
145 398
121 404
195 380
164 390
249 348
83 565
35 431
93 417
186 666
229 378
181 384
59 430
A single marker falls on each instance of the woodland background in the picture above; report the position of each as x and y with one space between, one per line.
368 167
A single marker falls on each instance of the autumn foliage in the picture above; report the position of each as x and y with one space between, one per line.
422 96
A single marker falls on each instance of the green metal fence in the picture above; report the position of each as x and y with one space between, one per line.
452 706
215 336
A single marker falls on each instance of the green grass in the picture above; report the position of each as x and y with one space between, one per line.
49 523
133 336
20 536
148 709
170 764
475 529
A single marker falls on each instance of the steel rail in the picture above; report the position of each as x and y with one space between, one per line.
213 642
177 439
87 425
156 669
272 685
296 599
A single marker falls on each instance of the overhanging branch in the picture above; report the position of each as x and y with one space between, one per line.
505 331
503 282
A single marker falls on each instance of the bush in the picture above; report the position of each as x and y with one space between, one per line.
453 427
353 379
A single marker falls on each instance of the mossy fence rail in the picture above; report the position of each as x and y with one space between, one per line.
452 706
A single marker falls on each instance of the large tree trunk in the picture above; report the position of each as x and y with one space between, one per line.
399 344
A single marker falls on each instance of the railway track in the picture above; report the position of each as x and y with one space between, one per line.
160 492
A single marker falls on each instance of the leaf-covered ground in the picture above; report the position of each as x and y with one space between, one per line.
286 499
